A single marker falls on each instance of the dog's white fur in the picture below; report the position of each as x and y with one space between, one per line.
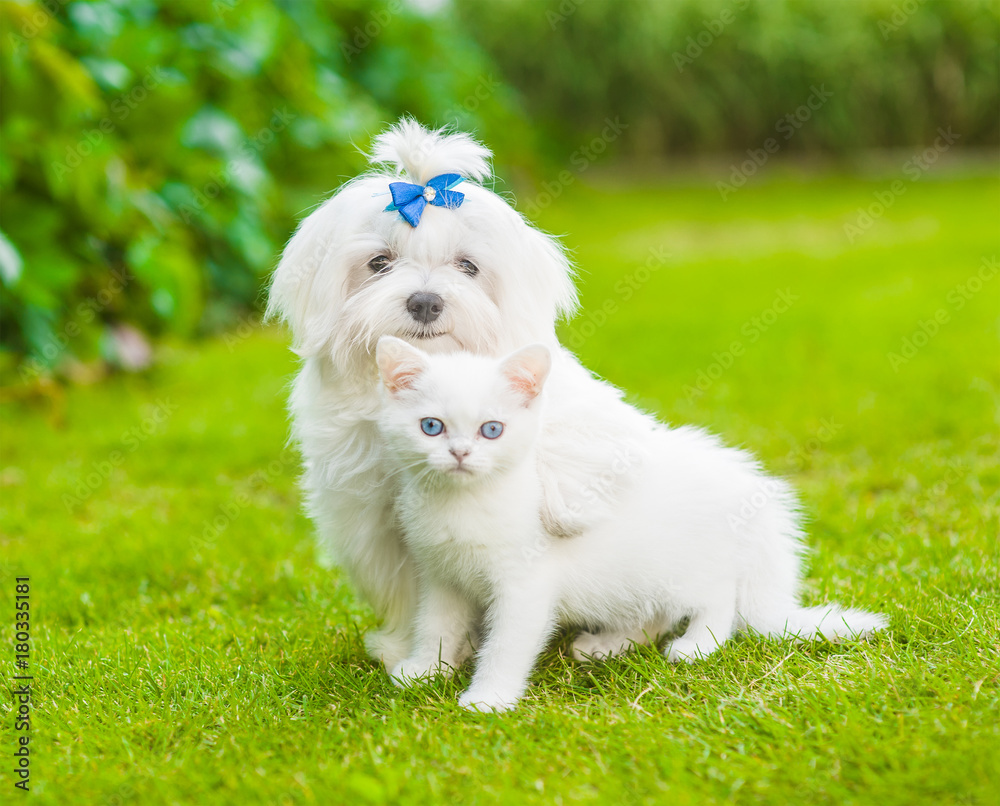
592 445
704 534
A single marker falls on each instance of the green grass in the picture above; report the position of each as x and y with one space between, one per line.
188 649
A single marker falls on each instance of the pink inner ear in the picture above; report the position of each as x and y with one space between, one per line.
523 382
403 377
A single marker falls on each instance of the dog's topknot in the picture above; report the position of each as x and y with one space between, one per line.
421 154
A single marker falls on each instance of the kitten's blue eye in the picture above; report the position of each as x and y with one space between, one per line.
431 426
492 429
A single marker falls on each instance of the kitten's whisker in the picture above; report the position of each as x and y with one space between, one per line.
404 468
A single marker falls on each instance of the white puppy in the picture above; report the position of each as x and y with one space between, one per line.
475 277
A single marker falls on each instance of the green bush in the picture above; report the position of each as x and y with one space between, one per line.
156 155
711 75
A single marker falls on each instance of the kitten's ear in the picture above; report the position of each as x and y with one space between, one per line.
399 363
526 370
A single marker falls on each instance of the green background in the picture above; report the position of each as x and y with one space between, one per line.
186 645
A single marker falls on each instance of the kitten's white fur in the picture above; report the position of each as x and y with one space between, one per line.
704 534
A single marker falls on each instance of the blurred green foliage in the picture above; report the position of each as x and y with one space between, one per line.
156 155
711 75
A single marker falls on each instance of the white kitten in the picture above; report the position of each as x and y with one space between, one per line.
702 534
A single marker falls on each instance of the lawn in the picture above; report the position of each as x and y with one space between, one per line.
187 648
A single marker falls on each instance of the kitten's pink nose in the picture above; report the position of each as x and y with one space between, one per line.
459 452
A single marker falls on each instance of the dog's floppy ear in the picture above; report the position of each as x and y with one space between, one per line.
399 363
526 370
304 285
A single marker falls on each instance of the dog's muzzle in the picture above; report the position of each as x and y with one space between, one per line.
424 307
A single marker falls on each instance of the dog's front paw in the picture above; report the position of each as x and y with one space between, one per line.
599 646
388 646
486 701
681 651
411 671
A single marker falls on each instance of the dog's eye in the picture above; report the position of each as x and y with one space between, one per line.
379 264
468 267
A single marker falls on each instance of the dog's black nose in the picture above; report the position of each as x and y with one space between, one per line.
425 307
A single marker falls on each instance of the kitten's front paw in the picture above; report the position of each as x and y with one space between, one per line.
487 701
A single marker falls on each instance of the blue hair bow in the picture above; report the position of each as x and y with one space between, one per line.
411 200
